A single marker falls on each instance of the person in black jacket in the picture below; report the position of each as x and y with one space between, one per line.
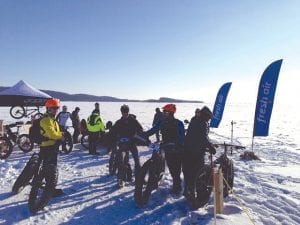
76 124
127 127
172 131
157 119
196 144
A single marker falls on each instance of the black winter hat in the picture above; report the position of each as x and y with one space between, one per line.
205 111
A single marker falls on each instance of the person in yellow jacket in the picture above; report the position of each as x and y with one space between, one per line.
95 126
50 146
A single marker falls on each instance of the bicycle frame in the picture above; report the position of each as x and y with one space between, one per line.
29 111
13 136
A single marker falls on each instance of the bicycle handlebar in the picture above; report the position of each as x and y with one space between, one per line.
229 145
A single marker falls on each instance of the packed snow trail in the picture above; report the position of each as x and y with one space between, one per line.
92 196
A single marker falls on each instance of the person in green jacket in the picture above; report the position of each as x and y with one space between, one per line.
95 126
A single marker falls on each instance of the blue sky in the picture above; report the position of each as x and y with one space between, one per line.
147 49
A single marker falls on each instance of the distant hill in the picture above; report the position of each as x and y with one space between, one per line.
93 98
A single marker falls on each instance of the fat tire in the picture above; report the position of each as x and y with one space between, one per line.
16 114
26 175
83 141
203 186
49 174
27 145
112 164
6 147
143 188
228 174
38 115
68 142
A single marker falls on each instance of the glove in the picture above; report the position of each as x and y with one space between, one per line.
212 150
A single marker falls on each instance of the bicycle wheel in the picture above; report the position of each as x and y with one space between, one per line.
26 175
67 143
143 183
6 147
42 188
38 115
228 174
24 143
17 112
203 186
112 164
85 141
122 160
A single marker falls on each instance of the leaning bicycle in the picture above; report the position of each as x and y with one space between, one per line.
204 177
151 173
43 180
12 138
19 112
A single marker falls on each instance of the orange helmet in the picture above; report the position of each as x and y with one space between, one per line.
169 108
52 103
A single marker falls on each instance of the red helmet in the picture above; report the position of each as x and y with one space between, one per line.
52 103
169 108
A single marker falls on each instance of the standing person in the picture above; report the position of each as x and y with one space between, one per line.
49 147
95 125
76 124
126 127
172 131
156 120
97 107
196 144
62 118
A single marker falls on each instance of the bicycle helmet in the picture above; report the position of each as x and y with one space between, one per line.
171 108
124 108
52 103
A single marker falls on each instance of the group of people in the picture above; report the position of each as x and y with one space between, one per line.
185 151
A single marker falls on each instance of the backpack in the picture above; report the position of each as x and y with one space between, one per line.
35 135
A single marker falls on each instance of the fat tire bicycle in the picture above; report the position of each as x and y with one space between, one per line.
151 173
124 171
204 177
18 112
10 139
43 180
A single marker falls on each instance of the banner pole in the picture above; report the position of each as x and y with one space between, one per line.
231 132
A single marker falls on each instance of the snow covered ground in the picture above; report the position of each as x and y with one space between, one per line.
267 191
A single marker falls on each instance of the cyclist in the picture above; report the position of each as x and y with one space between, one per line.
97 107
172 131
63 118
76 124
196 144
95 126
126 127
49 147
157 119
